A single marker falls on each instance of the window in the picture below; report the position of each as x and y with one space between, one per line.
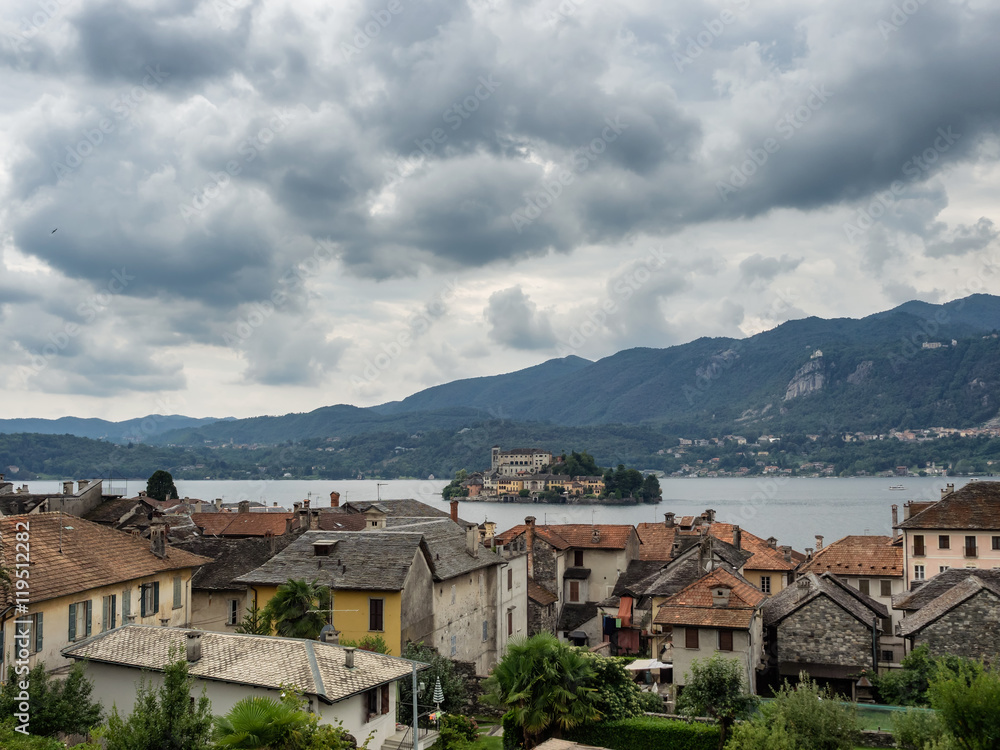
690 637
864 586
886 625
943 568
376 702
510 579
578 558
108 612
574 591
453 593
34 632
486 630
996 542
178 592
232 612
150 599
725 640
887 655
944 541
970 546
885 588
918 544
918 572
765 584
79 620
126 605
376 614
454 645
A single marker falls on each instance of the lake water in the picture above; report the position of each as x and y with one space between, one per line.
792 509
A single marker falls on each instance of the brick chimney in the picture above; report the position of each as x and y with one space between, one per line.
334 499
668 520
313 519
819 542
193 645
243 507
529 536
737 537
305 503
454 511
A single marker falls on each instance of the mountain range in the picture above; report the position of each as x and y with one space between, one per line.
917 365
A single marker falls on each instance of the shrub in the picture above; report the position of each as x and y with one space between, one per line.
458 732
56 705
966 699
441 668
915 729
513 737
618 697
646 733
651 703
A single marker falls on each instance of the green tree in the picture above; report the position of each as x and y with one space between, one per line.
56 705
967 699
545 685
257 722
908 686
454 488
803 717
295 610
441 668
618 696
255 621
164 718
716 688
161 485
650 491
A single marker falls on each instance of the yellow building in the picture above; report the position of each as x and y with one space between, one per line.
81 578
510 485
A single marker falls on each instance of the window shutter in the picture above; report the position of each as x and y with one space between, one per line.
385 699
105 606
89 609
156 597
177 592
72 622
126 605
38 631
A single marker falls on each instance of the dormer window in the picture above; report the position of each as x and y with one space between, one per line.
324 547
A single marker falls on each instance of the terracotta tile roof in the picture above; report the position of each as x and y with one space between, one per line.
92 555
868 555
693 605
965 589
578 535
811 586
260 661
243 524
539 594
658 539
974 506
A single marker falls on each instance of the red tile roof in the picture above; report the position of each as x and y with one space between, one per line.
579 535
692 606
85 555
242 524
858 556
539 594
657 541
974 506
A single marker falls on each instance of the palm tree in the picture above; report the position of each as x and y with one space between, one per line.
545 684
257 723
293 610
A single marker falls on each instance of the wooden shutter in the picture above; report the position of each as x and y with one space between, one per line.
864 586
690 637
105 606
510 623
38 631
725 640
385 699
574 591
156 597
72 622
89 605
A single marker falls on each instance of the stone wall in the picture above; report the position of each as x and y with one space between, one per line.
545 565
541 619
823 633
972 629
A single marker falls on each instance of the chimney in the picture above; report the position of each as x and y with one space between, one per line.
269 536
330 636
193 646
668 520
472 540
218 504
289 524
158 541
243 507
786 551
809 553
68 488
334 499
772 542
819 542
197 506
305 503
349 657
737 537
314 519
595 536
895 516
720 596
709 515
948 489
454 511
82 484
529 536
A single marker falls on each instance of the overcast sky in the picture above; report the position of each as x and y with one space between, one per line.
242 207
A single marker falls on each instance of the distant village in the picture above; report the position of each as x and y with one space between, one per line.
117 582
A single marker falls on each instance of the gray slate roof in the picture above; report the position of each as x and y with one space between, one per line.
575 615
231 558
259 661
811 586
940 584
967 588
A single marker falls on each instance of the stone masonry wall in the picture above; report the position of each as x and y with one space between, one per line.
545 565
823 633
972 629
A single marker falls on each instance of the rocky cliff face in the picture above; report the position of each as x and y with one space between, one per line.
808 379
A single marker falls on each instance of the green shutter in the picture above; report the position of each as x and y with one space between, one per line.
38 631
72 622
177 592
89 605
156 597
104 613
126 605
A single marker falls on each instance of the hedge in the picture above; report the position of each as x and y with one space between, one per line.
647 733
513 738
